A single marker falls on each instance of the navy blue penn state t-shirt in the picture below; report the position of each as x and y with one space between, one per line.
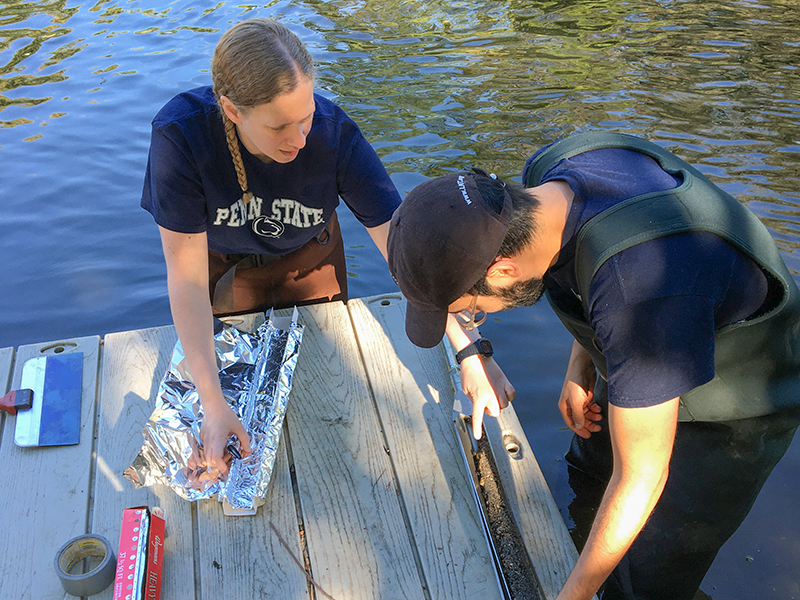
654 307
191 186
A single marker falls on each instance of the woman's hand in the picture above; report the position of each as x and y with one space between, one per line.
487 387
219 424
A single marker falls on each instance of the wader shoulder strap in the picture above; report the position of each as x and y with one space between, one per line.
584 142
692 206
695 205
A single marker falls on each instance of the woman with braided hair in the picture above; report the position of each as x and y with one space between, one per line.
243 180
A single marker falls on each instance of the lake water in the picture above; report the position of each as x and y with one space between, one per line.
436 87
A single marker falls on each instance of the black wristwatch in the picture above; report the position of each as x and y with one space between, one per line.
480 346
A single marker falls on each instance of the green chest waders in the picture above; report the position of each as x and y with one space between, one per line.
720 457
757 361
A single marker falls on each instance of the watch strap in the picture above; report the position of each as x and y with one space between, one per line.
480 346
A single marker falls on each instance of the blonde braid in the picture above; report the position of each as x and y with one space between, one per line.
238 164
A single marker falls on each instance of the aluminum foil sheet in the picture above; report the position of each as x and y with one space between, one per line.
256 373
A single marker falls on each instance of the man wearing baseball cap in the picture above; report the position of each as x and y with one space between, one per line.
676 296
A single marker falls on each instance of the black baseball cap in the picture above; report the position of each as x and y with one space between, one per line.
442 239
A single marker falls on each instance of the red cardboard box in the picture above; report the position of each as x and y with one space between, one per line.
141 554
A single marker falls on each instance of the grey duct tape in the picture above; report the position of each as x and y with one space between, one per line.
78 549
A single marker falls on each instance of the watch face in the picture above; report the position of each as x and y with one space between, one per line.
480 346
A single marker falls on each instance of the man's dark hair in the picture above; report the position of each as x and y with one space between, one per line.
521 229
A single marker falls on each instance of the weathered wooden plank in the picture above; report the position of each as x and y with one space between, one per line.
248 322
366 537
357 538
242 557
133 364
544 533
414 396
6 364
46 489
543 530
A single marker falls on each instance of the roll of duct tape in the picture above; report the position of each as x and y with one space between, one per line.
80 548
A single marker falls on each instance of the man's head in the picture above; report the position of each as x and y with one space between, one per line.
444 236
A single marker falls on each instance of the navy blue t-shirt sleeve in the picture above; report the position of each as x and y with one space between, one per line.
651 355
363 183
655 308
173 191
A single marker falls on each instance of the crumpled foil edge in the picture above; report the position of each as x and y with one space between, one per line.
249 478
256 373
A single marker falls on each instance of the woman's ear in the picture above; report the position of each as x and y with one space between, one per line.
230 109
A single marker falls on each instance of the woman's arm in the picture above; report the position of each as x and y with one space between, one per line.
482 380
380 235
186 256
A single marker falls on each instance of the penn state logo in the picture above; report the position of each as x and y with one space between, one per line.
267 226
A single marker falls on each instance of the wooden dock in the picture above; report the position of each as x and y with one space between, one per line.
369 488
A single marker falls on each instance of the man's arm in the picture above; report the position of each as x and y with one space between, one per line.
642 440
186 256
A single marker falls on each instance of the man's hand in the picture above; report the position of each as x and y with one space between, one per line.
577 405
219 423
487 387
